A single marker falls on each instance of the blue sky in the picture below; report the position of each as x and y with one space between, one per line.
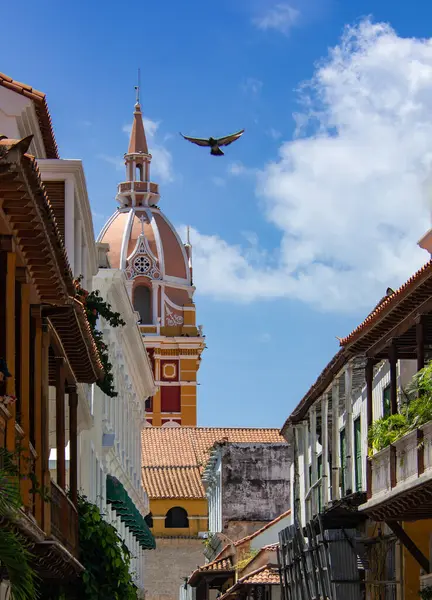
299 229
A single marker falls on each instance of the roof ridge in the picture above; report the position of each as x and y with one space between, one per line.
266 526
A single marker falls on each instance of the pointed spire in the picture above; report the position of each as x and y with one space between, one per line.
138 142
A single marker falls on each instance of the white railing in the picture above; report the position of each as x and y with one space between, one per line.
427 445
381 481
402 462
407 457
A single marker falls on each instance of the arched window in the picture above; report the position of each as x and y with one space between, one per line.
142 303
139 173
176 517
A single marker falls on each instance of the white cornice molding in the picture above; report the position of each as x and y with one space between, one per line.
55 169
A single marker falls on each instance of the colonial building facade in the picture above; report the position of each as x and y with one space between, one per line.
158 269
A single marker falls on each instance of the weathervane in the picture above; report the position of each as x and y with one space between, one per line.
137 87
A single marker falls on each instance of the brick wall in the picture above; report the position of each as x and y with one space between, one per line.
168 565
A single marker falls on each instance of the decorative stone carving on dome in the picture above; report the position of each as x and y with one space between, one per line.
142 261
173 319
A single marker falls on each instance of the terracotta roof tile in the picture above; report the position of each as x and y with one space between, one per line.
271 547
389 301
42 112
173 458
173 482
265 575
266 526
222 565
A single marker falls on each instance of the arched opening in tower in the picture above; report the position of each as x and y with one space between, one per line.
139 173
142 303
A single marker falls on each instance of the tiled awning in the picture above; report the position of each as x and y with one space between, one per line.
128 513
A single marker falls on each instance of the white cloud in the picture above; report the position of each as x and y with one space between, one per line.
161 166
238 168
274 133
282 17
349 198
252 86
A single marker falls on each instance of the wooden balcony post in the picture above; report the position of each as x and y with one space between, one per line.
60 422
324 440
393 378
10 344
420 343
43 419
37 409
349 429
369 420
335 483
25 392
73 444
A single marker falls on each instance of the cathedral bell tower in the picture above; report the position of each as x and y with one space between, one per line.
158 269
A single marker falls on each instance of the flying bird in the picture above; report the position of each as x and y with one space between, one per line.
215 143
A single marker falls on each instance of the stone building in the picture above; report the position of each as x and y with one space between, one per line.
247 485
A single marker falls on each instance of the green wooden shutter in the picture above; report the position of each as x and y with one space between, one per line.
358 455
343 458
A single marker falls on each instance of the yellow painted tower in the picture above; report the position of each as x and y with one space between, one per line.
158 269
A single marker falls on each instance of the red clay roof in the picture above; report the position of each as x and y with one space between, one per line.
173 458
222 565
42 112
266 575
388 303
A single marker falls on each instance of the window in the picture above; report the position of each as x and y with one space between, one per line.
357 454
170 399
149 519
142 303
176 517
149 404
139 173
386 402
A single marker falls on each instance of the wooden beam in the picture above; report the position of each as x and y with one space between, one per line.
73 444
412 548
393 378
400 328
60 422
420 340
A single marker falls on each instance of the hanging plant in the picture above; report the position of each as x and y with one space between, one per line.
106 560
95 307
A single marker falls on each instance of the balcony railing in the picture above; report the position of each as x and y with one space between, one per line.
402 462
138 186
64 519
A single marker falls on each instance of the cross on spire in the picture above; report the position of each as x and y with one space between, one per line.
142 219
137 87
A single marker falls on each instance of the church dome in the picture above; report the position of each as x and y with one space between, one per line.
143 243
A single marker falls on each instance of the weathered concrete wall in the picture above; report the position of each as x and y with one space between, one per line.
255 482
168 565
236 530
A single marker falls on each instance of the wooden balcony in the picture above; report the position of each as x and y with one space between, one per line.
138 186
64 520
401 478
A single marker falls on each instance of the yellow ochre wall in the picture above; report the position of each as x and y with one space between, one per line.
419 532
194 507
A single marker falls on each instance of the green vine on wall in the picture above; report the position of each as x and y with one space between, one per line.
106 560
95 307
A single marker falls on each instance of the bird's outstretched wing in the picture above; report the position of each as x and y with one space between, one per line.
229 139
197 141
